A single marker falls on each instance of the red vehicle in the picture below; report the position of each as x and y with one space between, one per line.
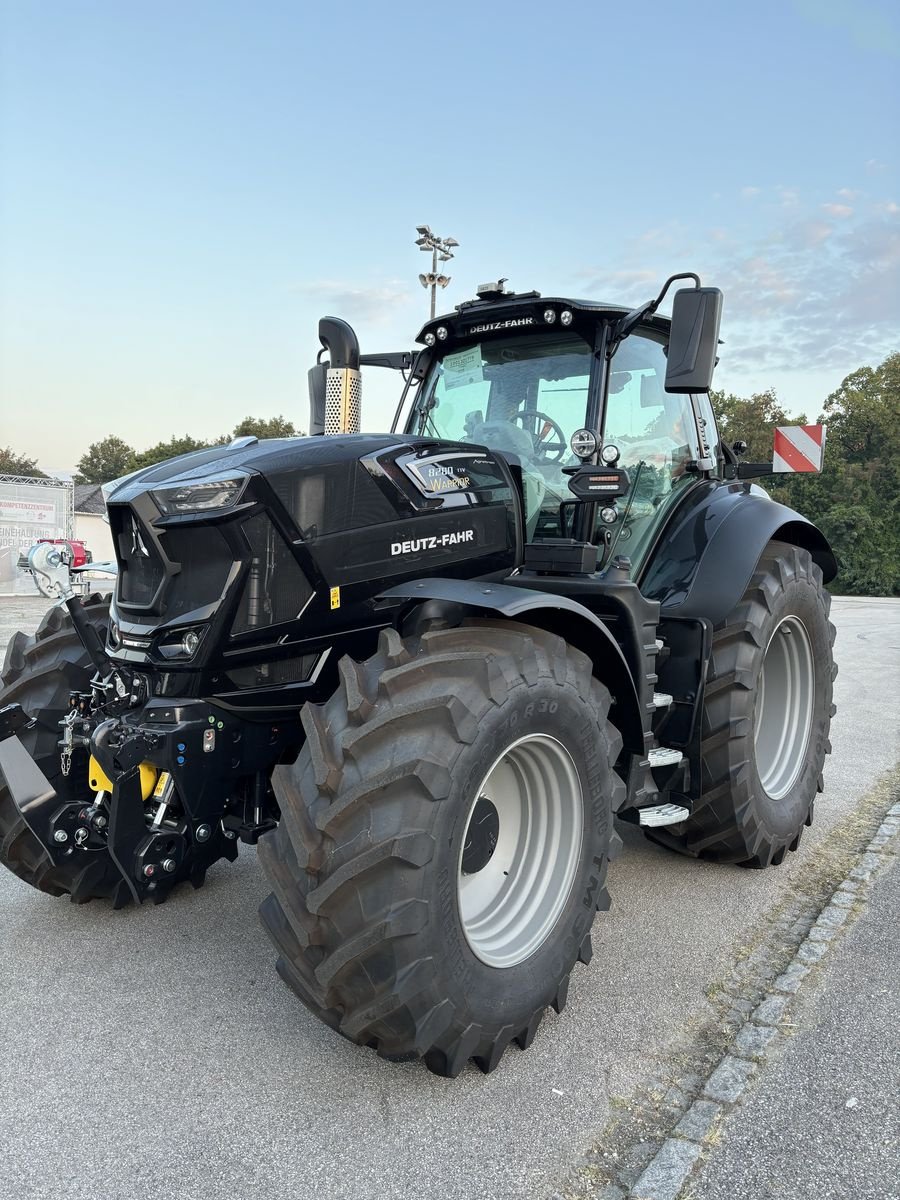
78 554
54 558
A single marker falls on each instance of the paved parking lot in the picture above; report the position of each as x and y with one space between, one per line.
155 1050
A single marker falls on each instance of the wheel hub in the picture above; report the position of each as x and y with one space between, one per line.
784 708
521 850
481 837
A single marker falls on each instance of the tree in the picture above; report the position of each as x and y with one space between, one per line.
856 499
170 449
274 427
753 420
12 463
105 460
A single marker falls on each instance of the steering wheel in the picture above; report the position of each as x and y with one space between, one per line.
538 425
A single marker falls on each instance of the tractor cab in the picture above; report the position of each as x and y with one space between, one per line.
554 384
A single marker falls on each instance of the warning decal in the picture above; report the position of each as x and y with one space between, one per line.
798 448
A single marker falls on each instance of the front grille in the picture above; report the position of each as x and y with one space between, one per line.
205 559
275 589
273 674
141 570
194 561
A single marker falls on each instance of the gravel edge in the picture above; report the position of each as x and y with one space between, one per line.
668 1171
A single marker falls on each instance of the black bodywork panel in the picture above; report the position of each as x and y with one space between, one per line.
279 586
707 553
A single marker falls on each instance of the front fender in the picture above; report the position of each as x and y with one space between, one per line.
456 598
707 554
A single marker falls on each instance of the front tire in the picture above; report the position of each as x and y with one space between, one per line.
444 842
766 718
39 673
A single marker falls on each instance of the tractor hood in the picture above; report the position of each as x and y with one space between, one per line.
232 548
246 454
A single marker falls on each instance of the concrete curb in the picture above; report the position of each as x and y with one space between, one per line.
667 1172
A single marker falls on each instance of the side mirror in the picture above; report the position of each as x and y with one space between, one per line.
693 340
318 378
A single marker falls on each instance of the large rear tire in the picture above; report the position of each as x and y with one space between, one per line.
444 842
766 719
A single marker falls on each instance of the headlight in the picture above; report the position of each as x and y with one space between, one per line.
180 644
207 495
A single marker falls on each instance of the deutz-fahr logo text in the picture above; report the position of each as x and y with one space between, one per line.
509 323
432 543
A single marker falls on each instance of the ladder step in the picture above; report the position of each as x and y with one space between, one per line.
662 756
662 814
661 700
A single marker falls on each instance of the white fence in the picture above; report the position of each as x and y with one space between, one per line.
30 509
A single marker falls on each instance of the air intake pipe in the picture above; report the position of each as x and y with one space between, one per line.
335 387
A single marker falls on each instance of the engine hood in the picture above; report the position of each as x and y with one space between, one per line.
269 456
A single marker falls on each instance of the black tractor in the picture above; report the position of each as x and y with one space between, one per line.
425 669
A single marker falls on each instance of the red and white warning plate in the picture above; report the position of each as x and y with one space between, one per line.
798 448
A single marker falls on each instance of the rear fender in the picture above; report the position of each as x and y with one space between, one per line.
455 599
707 556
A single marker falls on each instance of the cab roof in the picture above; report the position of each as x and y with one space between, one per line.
509 311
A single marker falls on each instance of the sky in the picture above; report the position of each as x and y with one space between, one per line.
185 188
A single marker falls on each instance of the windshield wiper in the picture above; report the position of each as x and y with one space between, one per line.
628 503
426 419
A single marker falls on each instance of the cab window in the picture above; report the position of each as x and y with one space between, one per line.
656 436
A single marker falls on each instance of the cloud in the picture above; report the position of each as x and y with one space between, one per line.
376 304
873 165
848 193
749 192
819 291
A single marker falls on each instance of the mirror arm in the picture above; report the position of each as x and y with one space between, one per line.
634 318
749 470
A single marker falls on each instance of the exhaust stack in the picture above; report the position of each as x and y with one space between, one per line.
335 387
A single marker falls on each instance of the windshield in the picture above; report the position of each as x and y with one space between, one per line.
526 395
522 395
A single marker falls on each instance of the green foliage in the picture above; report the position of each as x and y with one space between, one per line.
751 419
105 460
855 501
17 464
170 449
274 427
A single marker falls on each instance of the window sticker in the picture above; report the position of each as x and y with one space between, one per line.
463 367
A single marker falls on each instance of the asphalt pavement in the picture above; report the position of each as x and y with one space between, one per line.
824 1119
155 1050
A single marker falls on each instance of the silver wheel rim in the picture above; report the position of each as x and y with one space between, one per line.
520 851
784 708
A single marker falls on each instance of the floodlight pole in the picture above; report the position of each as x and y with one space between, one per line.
433 281
438 246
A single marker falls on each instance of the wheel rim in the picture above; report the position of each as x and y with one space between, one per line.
521 850
784 708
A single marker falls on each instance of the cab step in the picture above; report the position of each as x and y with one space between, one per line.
662 814
662 756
